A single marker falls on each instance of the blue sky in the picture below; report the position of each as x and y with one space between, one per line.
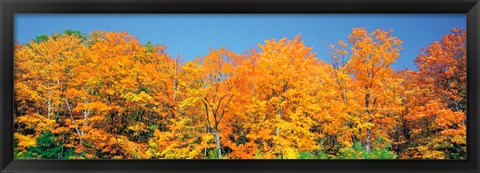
192 35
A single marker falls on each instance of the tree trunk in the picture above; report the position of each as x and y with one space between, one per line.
86 113
367 142
175 81
217 140
49 110
280 111
73 120
206 131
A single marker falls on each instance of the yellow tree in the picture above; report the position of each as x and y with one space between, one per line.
375 84
281 114
437 99
43 72
345 104
127 86
221 89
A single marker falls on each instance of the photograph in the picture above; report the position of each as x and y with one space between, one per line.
240 86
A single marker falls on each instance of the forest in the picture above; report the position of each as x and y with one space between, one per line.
105 95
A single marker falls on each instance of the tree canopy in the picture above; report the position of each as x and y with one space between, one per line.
105 95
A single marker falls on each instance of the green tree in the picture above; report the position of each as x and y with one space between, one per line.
48 148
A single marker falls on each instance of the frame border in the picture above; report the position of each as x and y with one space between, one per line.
9 8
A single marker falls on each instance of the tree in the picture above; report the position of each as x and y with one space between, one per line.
43 72
46 147
281 120
437 100
221 87
375 84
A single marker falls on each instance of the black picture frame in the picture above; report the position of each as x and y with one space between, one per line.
10 7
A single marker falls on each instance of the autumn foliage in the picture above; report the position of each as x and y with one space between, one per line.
108 96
